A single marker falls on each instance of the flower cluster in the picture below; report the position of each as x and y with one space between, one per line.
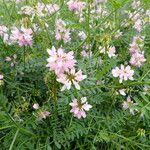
23 36
86 51
41 114
86 54
123 73
71 77
79 108
97 9
76 6
137 44
129 104
63 65
4 34
146 89
40 10
137 59
27 10
59 61
61 32
137 56
110 50
135 16
136 47
82 35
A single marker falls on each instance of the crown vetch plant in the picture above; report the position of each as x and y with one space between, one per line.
75 74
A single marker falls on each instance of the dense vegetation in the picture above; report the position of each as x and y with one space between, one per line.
74 74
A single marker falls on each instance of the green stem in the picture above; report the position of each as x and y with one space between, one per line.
14 139
70 121
24 57
54 91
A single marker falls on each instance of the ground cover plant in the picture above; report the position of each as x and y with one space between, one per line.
74 74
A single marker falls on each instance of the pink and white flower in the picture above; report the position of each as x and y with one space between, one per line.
59 61
82 35
4 34
99 1
137 59
40 9
146 89
18 1
129 104
27 10
111 51
79 108
71 77
137 44
61 32
23 36
122 92
86 54
118 34
76 5
51 8
136 15
43 114
136 4
123 73
3 30
148 13
134 48
138 25
137 55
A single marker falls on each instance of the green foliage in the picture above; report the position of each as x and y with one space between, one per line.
107 126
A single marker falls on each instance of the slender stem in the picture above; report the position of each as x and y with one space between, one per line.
88 26
24 57
54 91
70 121
14 139
119 86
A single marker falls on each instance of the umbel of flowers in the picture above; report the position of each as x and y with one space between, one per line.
123 73
59 61
63 64
22 36
79 107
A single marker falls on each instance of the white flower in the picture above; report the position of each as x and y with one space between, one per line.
122 92
71 77
36 106
111 51
82 35
124 73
